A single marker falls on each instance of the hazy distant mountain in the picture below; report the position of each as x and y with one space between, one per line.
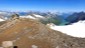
76 17
65 15
49 18
5 14
56 18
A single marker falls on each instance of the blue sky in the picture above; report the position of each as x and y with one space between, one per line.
43 5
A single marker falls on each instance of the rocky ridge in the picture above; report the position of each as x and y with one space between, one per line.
26 33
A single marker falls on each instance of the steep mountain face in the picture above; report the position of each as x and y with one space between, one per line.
76 17
27 33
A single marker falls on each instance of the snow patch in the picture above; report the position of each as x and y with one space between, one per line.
31 17
38 16
34 46
34 16
76 29
1 20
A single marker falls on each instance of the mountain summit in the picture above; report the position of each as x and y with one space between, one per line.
29 33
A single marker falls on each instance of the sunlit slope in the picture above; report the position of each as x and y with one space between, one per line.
27 32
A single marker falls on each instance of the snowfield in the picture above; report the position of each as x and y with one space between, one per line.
76 29
1 20
32 17
27 17
39 16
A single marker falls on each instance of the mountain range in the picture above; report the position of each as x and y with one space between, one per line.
75 17
31 33
48 17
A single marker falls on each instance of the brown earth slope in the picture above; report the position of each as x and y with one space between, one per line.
27 32
3 22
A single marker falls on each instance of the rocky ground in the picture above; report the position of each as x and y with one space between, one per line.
26 33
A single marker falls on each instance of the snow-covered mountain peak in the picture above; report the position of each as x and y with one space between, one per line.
28 16
36 15
33 16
